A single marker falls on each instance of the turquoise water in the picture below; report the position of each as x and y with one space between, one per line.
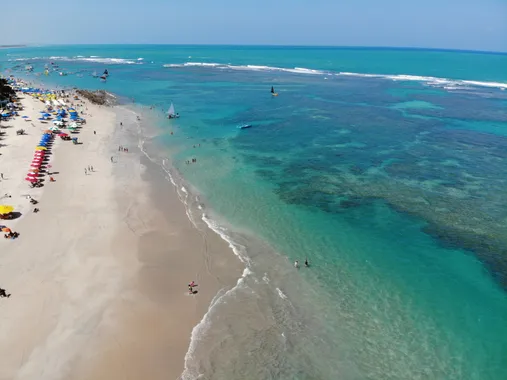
390 179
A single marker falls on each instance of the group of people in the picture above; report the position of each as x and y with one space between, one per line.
89 169
11 235
296 264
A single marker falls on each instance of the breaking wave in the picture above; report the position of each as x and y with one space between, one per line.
79 58
446 83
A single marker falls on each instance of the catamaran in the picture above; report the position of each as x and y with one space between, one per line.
171 114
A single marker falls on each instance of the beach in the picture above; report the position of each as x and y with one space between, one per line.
98 277
384 168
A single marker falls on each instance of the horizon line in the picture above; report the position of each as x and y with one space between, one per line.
15 46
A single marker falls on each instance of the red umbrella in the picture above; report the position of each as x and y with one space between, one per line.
37 161
30 179
32 174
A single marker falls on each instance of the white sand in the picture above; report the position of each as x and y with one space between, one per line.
56 266
89 299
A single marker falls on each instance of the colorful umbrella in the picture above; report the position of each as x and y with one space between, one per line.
38 165
40 148
30 179
4 209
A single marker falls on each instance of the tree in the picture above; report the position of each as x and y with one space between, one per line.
6 91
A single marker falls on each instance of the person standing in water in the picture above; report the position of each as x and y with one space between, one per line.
307 263
296 264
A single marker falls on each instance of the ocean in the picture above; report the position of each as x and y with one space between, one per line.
385 168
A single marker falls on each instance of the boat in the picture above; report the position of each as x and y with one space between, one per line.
273 93
171 114
95 75
245 126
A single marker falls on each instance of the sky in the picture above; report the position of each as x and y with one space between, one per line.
449 24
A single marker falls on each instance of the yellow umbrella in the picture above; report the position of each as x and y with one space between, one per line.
6 209
40 148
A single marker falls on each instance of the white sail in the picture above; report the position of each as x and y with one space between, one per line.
171 111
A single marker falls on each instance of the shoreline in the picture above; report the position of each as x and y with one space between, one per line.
106 271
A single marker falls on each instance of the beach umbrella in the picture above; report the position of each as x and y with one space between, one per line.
31 179
34 170
4 209
6 229
24 117
38 165
31 175
41 148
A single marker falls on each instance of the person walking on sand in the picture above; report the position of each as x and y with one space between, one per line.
91 167
3 293
86 173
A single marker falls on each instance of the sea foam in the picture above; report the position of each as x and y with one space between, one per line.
445 83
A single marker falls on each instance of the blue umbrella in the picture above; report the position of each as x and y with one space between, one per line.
41 118
46 115
24 117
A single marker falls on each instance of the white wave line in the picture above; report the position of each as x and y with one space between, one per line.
302 70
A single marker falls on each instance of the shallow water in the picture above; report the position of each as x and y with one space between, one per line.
393 189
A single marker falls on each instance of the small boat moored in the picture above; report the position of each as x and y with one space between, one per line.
171 114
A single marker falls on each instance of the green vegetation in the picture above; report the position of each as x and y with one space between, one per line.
6 91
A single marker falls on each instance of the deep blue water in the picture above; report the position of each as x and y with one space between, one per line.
390 178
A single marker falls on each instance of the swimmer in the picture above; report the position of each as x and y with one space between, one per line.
307 263
296 264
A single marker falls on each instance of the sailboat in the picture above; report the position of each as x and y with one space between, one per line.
171 114
273 91
95 75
